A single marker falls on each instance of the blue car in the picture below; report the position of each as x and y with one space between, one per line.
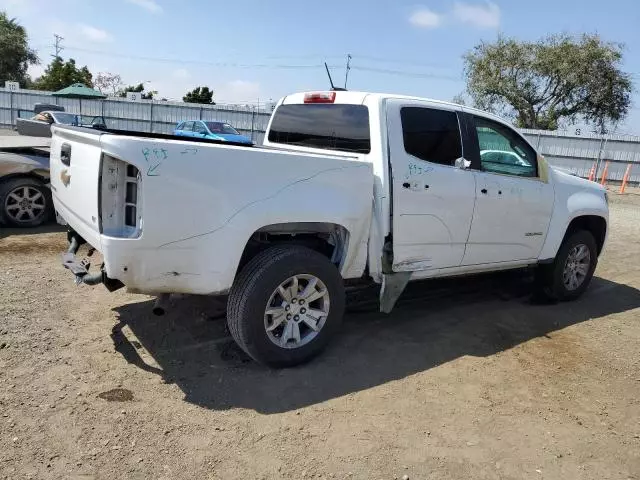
211 130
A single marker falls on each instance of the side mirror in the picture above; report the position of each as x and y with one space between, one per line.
461 163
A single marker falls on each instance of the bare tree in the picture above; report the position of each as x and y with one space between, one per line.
108 83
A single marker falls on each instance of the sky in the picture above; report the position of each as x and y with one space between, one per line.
256 50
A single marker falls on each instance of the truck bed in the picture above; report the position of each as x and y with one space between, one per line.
174 214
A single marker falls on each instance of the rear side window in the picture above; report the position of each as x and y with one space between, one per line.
327 126
431 135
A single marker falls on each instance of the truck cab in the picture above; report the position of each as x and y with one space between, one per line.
348 185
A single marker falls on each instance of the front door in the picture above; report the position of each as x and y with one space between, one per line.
513 204
432 198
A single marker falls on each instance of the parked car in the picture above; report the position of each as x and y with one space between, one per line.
351 186
211 130
40 124
25 197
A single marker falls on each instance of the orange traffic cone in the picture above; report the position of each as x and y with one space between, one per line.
604 174
625 179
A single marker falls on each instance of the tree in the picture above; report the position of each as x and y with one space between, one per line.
60 74
460 99
15 54
557 80
199 95
108 83
137 88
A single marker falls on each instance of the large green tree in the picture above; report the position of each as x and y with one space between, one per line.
550 82
137 88
199 95
15 54
60 74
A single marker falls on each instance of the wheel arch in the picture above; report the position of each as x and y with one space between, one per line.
594 224
41 175
330 239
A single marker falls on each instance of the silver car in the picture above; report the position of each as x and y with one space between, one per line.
25 197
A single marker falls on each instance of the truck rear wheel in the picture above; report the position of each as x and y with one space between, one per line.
570 273
285 305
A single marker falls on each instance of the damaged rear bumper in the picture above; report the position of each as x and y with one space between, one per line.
80 268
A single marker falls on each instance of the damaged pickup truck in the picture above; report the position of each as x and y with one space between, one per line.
347 186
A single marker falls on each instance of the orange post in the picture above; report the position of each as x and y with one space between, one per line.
592 172
625 179
604 174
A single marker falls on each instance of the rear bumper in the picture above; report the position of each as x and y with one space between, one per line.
144 269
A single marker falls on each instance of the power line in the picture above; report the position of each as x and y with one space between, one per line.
407 74
398 61
198 62
266 65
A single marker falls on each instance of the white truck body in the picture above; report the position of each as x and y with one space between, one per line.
171 215
189 224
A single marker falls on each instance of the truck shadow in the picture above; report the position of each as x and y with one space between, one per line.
49 227
434 322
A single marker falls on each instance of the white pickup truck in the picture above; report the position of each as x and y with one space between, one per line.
347 185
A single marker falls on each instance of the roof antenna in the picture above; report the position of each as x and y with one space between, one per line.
333 87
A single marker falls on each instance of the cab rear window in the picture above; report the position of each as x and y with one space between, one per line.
328 126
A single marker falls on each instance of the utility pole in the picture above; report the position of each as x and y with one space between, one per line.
346 73
57 44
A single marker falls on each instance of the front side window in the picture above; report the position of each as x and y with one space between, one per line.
187 126
199 128
503 151
431 135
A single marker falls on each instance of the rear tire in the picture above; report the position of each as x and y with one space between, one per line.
25 202
569 275
276 326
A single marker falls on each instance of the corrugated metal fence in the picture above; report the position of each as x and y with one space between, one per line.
576 153
579 153
144 116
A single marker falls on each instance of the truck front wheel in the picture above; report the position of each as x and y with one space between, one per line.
285 305
570 273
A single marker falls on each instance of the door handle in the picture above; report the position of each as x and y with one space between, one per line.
484 190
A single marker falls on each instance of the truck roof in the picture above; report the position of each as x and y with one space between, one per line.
356 97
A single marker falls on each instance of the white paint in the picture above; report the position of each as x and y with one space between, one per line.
430 225
202 202
510 220
203 199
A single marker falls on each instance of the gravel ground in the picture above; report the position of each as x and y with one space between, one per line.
466 379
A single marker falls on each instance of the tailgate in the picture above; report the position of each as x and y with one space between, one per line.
75 172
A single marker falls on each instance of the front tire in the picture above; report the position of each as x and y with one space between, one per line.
25 202
569 275
285 305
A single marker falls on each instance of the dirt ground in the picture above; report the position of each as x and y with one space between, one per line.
466 379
